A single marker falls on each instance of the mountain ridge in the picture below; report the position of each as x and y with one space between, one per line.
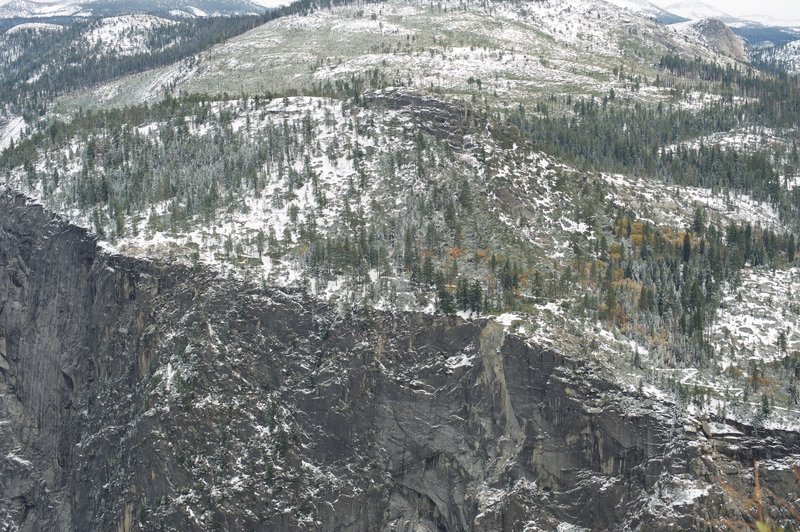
694 10
94 8
648 9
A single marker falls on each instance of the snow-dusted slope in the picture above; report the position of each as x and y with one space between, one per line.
11 128
500 52
645 8
789 55
40 8
125 35
786 56
522 183
35 26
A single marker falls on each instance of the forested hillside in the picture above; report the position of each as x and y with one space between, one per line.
38 65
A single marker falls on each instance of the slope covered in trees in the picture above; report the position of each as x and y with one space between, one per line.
608 134
36 66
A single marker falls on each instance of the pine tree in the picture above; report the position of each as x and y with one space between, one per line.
476 297
687 247
444 299
791 392
781 342
426 276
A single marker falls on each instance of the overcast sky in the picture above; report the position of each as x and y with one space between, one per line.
779 9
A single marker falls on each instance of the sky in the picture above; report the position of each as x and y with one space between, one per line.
778 9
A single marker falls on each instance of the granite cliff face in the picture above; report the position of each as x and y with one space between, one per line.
141 396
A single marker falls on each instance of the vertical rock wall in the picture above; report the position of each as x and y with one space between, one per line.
135 396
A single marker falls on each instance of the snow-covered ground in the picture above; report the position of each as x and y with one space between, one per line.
743 140
787 55
35 26
41 8
125 35
755 313
670 205
11 129
501 52
697 101
639 6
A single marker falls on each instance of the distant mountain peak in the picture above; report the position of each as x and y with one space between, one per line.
640 6
767 20
693 10
648 9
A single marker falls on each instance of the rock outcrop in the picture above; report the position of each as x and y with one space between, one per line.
717 36
142 396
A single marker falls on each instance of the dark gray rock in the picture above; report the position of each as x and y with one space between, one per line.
142 396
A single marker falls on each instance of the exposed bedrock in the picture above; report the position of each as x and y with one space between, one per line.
144 396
